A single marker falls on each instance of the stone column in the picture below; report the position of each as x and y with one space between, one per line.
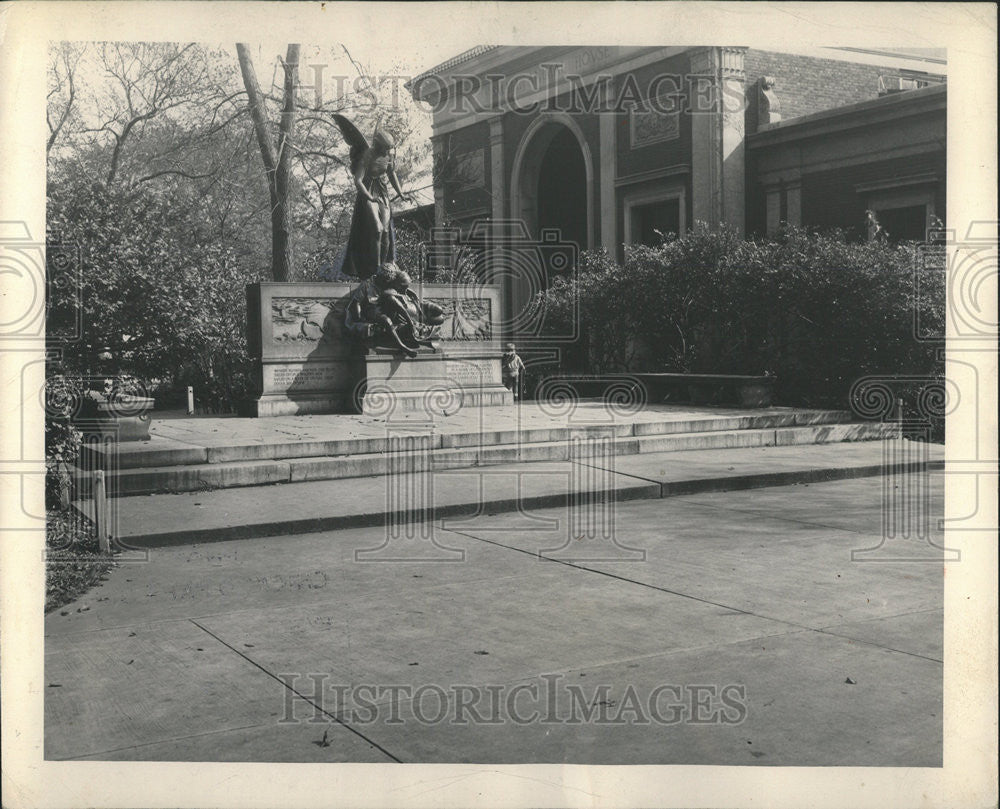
437 145
609 158
498 212
702 103
498 187
718 181
793 204
732 129
773 210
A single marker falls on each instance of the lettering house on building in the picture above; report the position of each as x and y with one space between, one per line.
610 146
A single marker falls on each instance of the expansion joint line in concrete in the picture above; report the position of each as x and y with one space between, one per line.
301 696
667 590
878 645
627 580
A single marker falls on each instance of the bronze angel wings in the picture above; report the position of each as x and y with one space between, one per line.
358 142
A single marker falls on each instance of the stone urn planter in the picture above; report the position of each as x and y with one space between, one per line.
122 417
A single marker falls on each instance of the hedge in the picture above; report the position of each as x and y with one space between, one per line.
814 309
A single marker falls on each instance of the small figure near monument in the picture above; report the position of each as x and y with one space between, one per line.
383 311
511 367
372 241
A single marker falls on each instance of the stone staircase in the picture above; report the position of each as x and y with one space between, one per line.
169 465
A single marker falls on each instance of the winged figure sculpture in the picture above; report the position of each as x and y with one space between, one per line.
372 241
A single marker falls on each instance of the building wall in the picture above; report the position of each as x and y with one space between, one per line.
830 198
514 127
633 161
846 162
807 84
804 85
466 153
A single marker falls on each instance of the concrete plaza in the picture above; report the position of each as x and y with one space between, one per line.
716 628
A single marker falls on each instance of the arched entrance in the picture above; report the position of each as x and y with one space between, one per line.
562 190
552 188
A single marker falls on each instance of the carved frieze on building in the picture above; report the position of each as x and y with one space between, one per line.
654 124
470 169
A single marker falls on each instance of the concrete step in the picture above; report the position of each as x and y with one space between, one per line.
420 453
414 497
161 451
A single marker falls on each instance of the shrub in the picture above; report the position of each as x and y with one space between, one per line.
62 447
812 308
160 296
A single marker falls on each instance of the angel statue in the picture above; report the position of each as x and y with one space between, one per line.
372 241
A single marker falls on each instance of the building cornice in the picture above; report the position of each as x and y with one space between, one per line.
585 64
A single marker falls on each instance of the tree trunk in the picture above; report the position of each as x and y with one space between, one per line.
276 163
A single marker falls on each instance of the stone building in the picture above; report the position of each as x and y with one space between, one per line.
611 144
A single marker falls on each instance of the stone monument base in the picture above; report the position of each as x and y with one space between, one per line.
439 383
305 362
301 388
276 404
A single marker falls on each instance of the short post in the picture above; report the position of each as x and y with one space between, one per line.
65 486
101 512
190 401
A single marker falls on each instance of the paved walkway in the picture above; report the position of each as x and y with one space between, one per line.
724 628
457 493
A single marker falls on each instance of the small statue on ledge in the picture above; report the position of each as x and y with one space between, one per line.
384 312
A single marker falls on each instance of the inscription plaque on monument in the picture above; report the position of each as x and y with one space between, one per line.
301 377
469 372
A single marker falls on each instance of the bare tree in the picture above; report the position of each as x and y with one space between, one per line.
276 160
63 61
151 114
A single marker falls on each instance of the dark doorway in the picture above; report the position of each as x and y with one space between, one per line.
562 190
654 222
904 224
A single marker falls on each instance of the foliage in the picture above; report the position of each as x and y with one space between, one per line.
174 118
159 293
813 309
62 439
73 562
598 302
155 186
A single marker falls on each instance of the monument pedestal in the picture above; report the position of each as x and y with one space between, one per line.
438 383
306 363
311 386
